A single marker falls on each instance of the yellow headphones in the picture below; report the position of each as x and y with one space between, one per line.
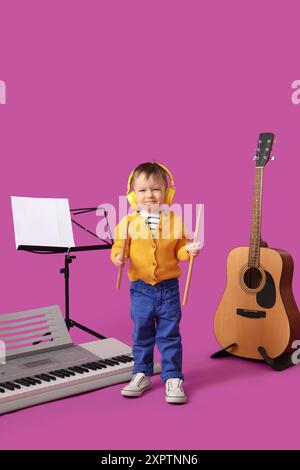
169 195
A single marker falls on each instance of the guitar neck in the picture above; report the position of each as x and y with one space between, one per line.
255 236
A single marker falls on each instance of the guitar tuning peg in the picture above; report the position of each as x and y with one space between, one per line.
273 157
254 158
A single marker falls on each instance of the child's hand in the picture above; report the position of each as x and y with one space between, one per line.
120 260
193 248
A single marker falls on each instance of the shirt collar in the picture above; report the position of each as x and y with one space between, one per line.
146 214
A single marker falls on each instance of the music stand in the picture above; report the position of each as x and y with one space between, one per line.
68 260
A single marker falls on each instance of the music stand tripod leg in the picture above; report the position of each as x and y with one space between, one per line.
69 322
66 272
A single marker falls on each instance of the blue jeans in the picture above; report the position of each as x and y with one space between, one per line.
156 313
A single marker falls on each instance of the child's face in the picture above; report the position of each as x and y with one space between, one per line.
150 193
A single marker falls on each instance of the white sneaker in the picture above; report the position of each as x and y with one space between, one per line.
136 387
175 392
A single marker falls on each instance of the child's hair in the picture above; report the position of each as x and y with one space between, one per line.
150 169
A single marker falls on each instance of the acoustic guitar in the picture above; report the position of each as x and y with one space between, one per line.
258 311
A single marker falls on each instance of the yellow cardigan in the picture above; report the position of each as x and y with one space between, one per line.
152 259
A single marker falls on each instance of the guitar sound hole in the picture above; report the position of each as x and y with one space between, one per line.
252 278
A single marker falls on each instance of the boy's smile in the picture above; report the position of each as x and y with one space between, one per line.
150 193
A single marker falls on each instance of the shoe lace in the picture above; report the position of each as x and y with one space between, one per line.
140 380
174 383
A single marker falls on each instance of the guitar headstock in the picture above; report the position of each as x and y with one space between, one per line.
264 148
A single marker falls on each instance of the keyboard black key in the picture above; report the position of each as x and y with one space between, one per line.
41 377
75 369
98 366
108 362
101 363
44 377
51 377
16 385
90 366
114 361
37 381
7 386
69 372
63 373
57 374
31 380
120 359
83 368
129 358
23 382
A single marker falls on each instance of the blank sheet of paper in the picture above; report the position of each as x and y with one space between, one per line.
42 222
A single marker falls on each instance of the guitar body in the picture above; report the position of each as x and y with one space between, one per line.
258 306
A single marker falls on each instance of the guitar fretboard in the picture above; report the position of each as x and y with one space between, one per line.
255 236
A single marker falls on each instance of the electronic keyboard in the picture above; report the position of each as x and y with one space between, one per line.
42 363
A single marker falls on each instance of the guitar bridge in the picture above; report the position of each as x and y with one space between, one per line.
250 313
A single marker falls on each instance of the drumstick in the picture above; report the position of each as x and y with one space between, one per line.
122 253
187 285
